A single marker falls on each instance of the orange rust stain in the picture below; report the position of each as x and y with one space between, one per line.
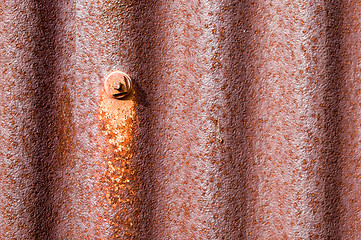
118 125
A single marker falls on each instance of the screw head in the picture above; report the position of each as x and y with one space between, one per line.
118 84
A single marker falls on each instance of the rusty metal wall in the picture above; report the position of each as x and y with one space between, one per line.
244 124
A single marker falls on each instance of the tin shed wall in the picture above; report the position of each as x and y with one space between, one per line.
245 120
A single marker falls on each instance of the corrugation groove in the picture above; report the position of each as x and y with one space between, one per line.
244 124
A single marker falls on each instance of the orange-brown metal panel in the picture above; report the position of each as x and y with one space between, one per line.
244 122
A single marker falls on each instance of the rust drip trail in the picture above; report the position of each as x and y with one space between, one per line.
118 125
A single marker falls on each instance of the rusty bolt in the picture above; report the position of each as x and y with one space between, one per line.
118 84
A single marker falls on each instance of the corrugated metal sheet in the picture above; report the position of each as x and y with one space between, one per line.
245 120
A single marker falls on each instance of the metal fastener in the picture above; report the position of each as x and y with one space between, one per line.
118 84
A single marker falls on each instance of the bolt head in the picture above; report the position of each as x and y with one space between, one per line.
118 84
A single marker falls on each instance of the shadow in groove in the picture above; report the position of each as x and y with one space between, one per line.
333 119
44 107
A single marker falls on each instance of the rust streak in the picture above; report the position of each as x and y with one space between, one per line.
118 126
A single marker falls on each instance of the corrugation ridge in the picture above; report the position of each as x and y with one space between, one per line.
88 216
121 182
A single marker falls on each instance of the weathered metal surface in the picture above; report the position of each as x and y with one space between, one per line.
244 124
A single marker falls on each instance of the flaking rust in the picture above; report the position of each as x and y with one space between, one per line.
118 122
